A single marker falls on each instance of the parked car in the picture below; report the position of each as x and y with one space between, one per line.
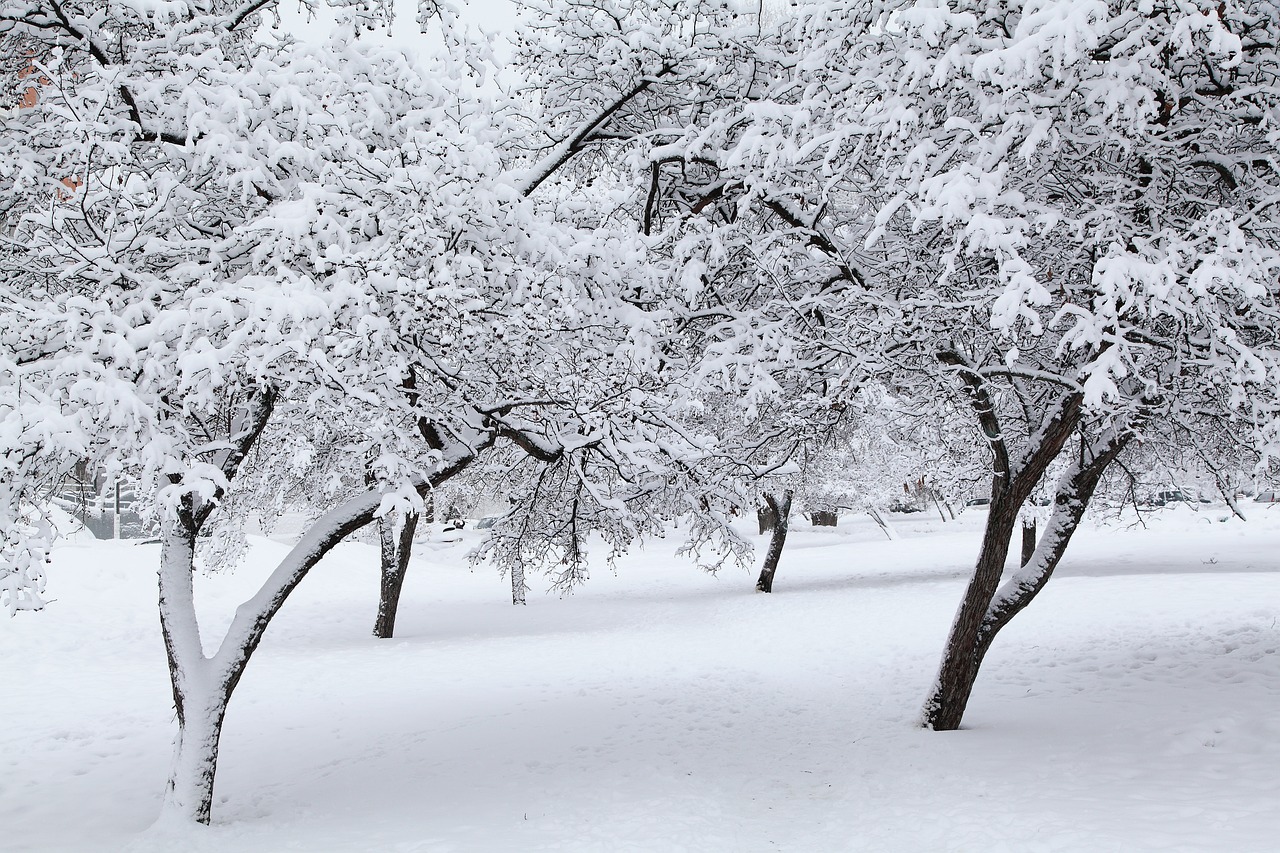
978 502
1175 496
1268 497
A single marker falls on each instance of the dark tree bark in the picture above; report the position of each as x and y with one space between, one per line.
987 607
396 547
1072 499
780 507
823 518
1028 540
1010 488
767 518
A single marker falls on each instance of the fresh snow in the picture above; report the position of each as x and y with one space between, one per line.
1134 706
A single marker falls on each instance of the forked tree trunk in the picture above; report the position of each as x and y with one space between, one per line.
987 607
203 685
780 508
395 536
1011 485
1028 540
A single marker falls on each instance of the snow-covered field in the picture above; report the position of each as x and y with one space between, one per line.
1134 706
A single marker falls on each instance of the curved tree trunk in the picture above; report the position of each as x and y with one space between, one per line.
959 669
780 507
1011 484
395 536
203 685
987 608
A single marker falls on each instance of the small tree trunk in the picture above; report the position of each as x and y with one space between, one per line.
518 586
766 518
823 518
395 534
780 508
885 527
1028 539
938 503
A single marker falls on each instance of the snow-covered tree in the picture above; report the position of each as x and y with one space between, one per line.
1052 213
261 236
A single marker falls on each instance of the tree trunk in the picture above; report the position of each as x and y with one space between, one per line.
1028 540
189 792
959 669
518 586
780 507
395 534
883 523
200 705
1011 485
202 686
823 518
766 518
986 607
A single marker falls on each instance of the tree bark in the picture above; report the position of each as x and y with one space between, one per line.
395 535
823 518
766 518
1011 484
518 586
780 507
987 607
189 791
945 707
1028 540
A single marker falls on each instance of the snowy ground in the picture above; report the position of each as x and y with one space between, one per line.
1134 706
